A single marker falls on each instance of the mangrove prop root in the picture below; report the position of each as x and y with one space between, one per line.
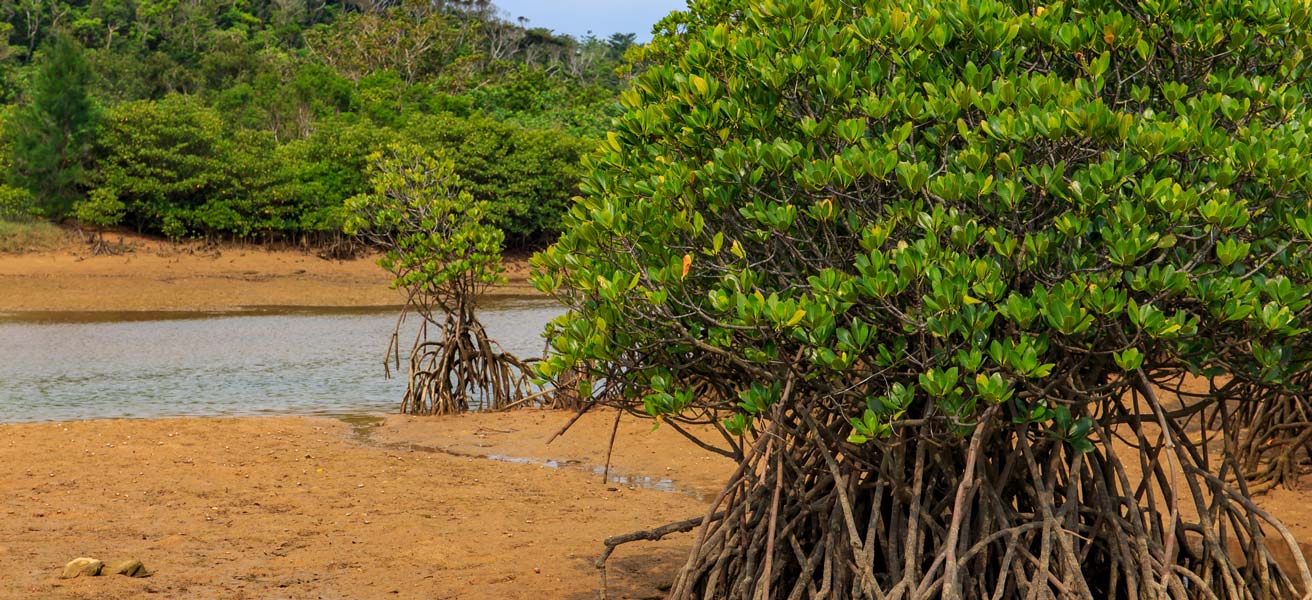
650 535
460 368
999 511
573 390
1273 440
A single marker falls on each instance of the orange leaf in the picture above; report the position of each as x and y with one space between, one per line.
687 263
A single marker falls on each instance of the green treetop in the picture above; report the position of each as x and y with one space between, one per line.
53 132
436 238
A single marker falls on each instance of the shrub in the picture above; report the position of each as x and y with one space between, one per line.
323 170
101 209
163 159
16 204
923 263
178 171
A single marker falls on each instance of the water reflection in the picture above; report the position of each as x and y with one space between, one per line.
264 360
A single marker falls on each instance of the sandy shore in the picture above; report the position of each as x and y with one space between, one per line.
315 507
159 276
301 507
474 506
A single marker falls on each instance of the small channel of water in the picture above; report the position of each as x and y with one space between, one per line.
362 428
267 360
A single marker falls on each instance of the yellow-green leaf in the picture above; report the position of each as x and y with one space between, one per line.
699 83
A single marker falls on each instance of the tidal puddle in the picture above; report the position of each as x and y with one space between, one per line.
266 360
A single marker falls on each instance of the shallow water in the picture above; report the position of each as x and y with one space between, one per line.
266 360
362 428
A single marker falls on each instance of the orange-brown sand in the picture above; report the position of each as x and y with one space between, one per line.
301 507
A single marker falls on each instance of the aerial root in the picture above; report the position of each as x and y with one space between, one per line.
650 535
461 368
1274 436
1005 512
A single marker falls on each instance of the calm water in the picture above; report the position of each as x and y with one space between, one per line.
67 366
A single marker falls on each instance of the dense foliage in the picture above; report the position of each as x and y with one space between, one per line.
517 170
438 239
16 202
924 262
50 136
253 119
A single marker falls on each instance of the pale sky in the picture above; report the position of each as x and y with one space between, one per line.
603 17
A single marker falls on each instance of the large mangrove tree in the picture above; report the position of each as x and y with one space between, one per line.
980 294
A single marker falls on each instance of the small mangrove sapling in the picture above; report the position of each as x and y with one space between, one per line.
442 251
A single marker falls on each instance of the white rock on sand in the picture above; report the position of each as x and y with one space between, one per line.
79 567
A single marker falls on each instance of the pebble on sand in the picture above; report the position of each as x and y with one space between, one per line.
130 568
90 567
79 567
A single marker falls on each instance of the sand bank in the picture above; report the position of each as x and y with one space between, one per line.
159 276
304 507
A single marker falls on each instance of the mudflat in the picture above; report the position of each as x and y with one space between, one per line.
153 275
308 507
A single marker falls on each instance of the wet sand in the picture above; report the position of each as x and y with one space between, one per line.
306 507
160 276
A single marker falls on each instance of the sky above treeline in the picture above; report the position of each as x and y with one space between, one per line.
601 17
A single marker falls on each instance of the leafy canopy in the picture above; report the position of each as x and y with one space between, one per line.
302 93
438 241
938 207
527 176
166 161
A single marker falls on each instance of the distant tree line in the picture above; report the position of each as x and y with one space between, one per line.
254 119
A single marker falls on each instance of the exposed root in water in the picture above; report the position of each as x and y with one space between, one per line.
461 364
461 368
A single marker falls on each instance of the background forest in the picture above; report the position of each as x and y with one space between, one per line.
252 119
